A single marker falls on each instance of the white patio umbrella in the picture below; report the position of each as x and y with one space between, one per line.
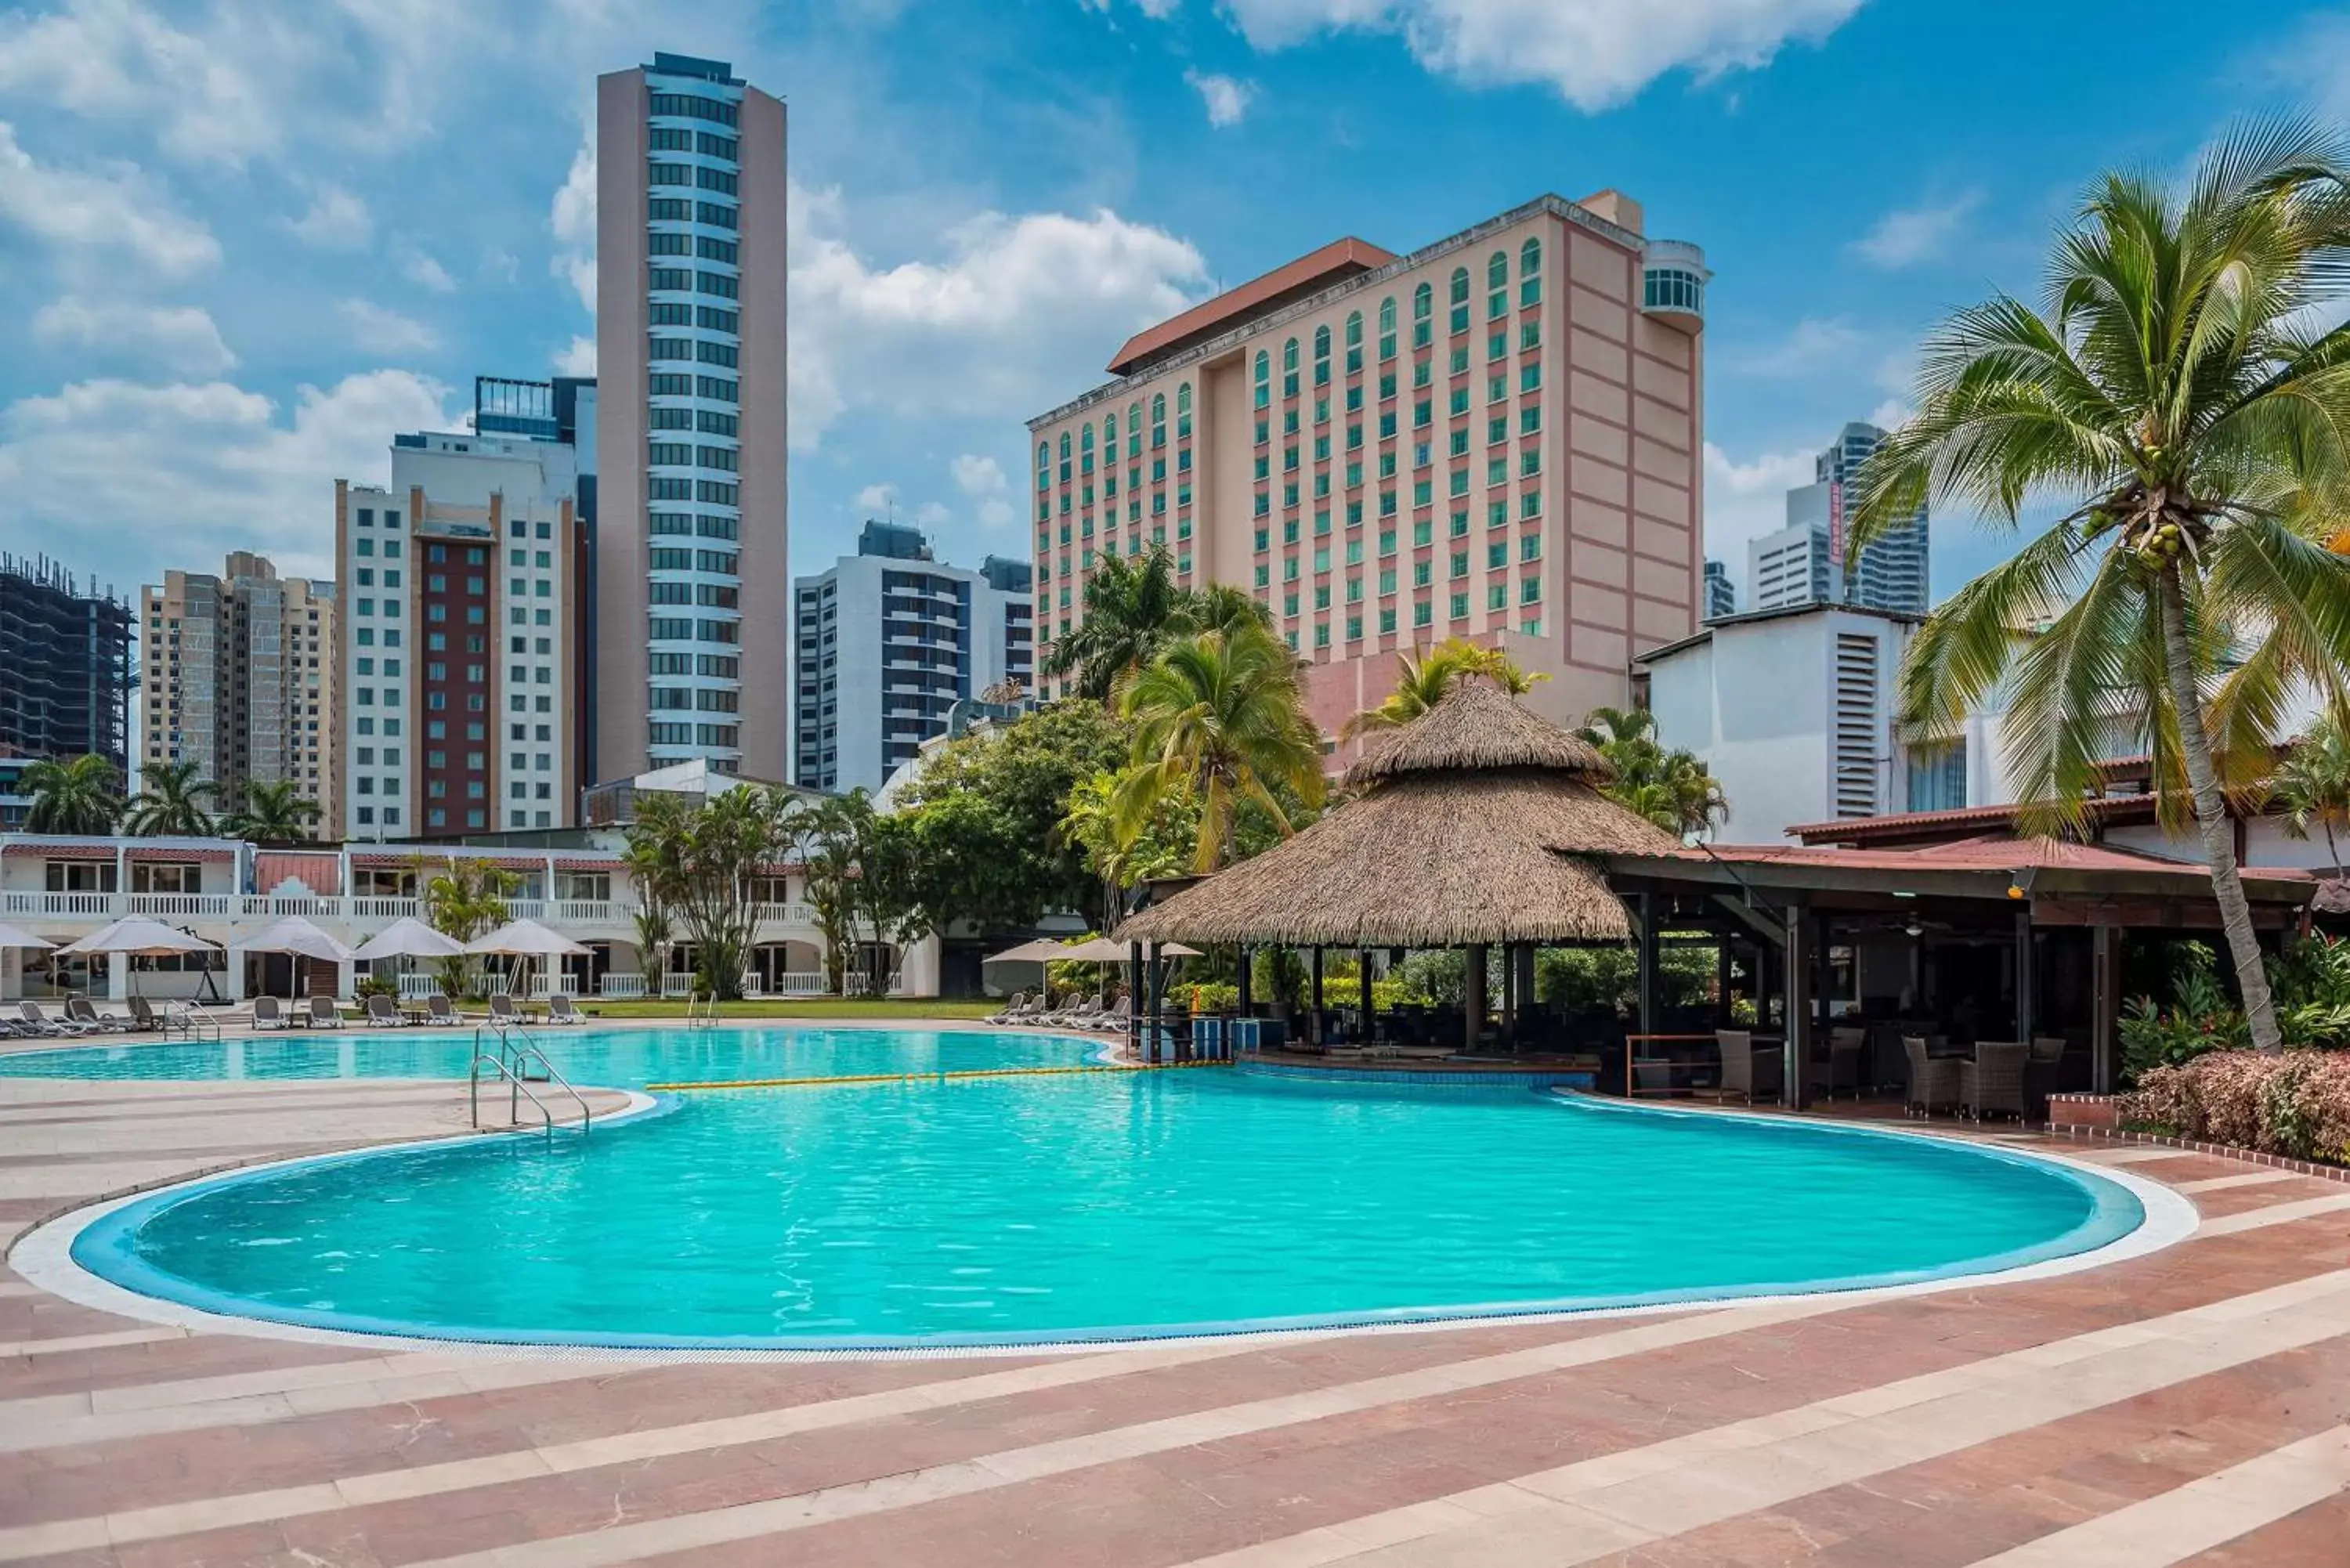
409 938
1040 950
13 936
137 936
1101 949
526 940
296 937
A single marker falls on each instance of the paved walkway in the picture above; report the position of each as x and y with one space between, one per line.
2189 1408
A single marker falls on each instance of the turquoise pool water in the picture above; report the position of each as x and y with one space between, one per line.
1096 1206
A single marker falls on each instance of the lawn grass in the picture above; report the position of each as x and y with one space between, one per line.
857 1007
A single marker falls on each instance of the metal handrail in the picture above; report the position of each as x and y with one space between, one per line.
510 1060
519 1092
188 1018
525 1052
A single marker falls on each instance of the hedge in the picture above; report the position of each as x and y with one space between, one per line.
2295 1104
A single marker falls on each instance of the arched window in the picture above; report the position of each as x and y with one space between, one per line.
1355 329
1064 446
1387 315
1423 302
1044 454
1264 366
1530 259
1183 399
1322 343
1109 432
1459 285
1289 355
1086 439
1134 430
1497 269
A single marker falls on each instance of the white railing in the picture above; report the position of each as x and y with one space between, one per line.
99 906
750 984
417 987
802 983
784 914
526 909
375 909
183 906
676 985
587 912
620 985
277 906
540 987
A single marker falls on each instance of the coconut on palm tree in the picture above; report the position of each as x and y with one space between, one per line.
274 812
72 794
2173 396
170 803
1422 680
1220 715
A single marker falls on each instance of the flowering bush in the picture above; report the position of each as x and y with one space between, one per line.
2295 1104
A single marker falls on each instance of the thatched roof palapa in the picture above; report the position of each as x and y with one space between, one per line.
1471 830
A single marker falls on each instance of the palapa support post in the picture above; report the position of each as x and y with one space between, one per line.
1317 994
1797 1049
1645 914
2105 1005
1363 973
1245 1007
1472 1002
1134 1001
2026 979
1156 970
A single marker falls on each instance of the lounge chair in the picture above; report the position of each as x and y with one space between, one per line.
439 1009
33 1020
1078 1016
1113 1018
143 1016
504 1010
1011 1008
1992 1083
559 1009
267 1013
80 1011
325 1014
382 1013
1933 1080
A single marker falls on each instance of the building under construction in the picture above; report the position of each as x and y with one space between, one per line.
66 676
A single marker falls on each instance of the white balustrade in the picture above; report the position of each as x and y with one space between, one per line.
802 983
677 985
417 987
183 906
385 909
750 983
620 985
88 906
587 912
526 909
801 915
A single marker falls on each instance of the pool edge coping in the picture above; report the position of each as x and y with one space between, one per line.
44 1258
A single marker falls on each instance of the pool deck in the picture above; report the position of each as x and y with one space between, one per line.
2189 1408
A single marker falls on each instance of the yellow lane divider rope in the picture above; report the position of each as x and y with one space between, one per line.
927 1077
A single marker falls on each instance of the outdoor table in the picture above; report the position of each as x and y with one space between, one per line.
416 1015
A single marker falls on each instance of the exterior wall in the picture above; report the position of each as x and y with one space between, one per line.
67 680
1757 702
1790 567
1594 468
729 503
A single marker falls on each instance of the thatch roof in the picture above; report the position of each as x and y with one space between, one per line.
1477 725
1471 832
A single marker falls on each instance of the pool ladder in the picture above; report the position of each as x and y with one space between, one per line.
512 1059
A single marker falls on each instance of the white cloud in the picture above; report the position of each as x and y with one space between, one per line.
931 513
181 340
111 207
1891 414
1812 345
426 273
1012 318
1596 53
86 459
982 479
1909 235
337 221
574 221
877 498
1745 500
1227 97
374 330
113 60
579 359
1157 10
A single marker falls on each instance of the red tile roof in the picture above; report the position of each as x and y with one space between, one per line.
1337 261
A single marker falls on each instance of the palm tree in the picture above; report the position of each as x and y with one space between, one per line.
273 811
1133 606
1669 787
171 803
1422 680
78 794
2313 785
1090 823
2171 390
1221 715
463 902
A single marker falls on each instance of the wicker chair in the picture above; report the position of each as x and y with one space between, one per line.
1993 1082
1841 1070
1933 1080
1742 1074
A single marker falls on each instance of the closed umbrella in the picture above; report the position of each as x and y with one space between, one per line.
138 935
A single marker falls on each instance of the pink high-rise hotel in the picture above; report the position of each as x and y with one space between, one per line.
1498 436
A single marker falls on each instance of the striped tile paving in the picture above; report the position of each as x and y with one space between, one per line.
2189 1407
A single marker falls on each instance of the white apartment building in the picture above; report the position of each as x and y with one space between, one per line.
889 641
461 650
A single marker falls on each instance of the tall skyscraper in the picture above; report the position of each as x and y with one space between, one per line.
462 651
1793 566
1496 436
1721 593
889 641
66 677
239 680
692 580
1889 574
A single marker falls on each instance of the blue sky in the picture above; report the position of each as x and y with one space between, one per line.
237 252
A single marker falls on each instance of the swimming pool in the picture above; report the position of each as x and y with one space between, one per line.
1010 1210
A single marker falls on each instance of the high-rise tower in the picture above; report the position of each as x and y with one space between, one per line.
693 585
